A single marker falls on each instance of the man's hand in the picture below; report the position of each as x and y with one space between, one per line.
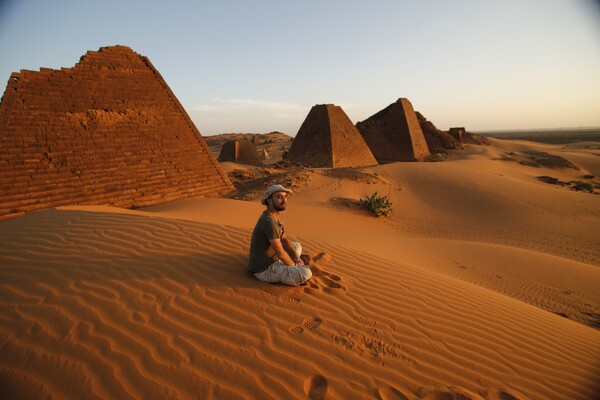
281 253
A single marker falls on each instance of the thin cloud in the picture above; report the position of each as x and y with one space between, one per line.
203 108
247 115
244 106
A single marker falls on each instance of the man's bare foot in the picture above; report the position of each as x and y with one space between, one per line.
305 259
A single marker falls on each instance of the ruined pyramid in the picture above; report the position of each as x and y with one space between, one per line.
328 139
241 152
108 131
394 134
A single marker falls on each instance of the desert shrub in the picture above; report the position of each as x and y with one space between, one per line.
589 176
583 186
505 157
529 163
377 205
548 179
549 160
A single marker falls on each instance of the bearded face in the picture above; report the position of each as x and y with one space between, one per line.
279 201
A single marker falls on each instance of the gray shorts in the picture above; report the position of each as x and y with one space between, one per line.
292 275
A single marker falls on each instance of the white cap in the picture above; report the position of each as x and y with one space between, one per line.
271 190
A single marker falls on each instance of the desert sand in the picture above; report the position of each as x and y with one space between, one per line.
483 284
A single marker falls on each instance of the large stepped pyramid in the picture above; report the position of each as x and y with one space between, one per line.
328 139
108 131
394 133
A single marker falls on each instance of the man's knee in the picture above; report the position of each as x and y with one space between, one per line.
307 274
296 275
298 247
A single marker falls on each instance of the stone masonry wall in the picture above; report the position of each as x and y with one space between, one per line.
108 131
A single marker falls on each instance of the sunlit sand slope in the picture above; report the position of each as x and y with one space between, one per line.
126 305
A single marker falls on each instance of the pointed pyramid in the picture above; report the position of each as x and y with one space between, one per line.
108 131
394 133
328 139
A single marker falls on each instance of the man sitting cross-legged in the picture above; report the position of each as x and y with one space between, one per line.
273 257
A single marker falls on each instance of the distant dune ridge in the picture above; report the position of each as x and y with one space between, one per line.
482 284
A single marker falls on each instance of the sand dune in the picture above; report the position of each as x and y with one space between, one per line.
461 294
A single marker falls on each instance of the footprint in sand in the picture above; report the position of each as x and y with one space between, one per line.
502 395
34 329
284 300
321 278
390 393
330 283
452 393
311 324
289 300
308 324
315 387
297 329
137 317
321 258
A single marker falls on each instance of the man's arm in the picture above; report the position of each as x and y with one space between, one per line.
282 254
289 247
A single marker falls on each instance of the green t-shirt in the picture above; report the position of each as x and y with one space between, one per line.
261 253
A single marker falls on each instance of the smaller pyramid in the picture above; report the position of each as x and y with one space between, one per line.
328 139
438 141
394 133
239 151
457 133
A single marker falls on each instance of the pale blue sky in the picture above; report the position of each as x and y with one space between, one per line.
258 66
